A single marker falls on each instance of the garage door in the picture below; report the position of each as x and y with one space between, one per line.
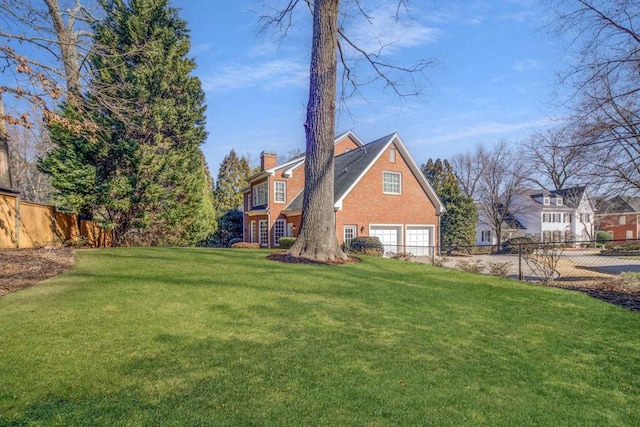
389 237
419 241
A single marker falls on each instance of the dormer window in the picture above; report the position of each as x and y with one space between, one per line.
559 201
546 201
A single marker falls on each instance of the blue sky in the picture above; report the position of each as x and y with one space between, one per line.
493 76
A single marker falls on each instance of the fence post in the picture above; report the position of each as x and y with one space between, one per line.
520 275
17 219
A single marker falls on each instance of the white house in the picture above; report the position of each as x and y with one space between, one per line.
559 215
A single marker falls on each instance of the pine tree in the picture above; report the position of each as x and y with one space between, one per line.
458 223
232 178
151 183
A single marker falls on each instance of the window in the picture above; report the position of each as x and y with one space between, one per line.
559 201
392 155
546 201
566 218
391 183
263 233
629 234
546 236
253 232
260 194
280 191
622 220
290 229
485 236
557 235
350 232
278 230
546 217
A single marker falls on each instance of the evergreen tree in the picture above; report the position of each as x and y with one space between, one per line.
458 223
232 178
150 182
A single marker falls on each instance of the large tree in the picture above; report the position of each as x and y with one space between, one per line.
141 169
605 42
554 159
330 43
232 178
458 223
499 189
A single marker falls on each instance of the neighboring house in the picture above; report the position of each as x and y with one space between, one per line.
620 218
379 191
559 215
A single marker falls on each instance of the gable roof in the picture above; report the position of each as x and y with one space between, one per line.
350 167
571 197
621 204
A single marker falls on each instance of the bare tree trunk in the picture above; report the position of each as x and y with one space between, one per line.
317 238
68 42
5 170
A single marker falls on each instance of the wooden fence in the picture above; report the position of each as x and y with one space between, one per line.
25 225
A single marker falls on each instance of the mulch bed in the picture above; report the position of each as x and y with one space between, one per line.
283 257
22 268
630 301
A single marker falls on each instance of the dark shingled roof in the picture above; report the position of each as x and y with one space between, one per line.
348 167
571 197
621 204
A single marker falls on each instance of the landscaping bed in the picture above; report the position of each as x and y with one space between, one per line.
22 268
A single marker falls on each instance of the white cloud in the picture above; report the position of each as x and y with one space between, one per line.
526 65
266 75
383 32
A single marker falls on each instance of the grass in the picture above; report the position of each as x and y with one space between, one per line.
227 338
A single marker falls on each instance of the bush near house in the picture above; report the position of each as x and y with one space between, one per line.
286 242
368 245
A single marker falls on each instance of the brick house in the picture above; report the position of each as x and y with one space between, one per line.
620 218
379 191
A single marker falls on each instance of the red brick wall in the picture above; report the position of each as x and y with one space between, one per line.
366 204
612 223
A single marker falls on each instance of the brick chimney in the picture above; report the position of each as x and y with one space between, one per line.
268 160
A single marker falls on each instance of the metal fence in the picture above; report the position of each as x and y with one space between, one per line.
570 263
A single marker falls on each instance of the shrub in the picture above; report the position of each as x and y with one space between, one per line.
404 256
286 242
246 245
234 241
470 266
368 245
439 261
500 269
603 237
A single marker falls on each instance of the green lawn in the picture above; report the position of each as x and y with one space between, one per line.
226 337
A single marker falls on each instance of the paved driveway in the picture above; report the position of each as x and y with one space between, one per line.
573 264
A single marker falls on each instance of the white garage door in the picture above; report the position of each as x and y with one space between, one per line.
418 241
388 237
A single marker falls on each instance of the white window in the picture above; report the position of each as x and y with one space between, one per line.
280 191
546 236
391 183
622 220
253 232
260 194
278 230
629 234
546 217
263 232
485 236
557 235
350 232
546 201
559 201
392 155
290 229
